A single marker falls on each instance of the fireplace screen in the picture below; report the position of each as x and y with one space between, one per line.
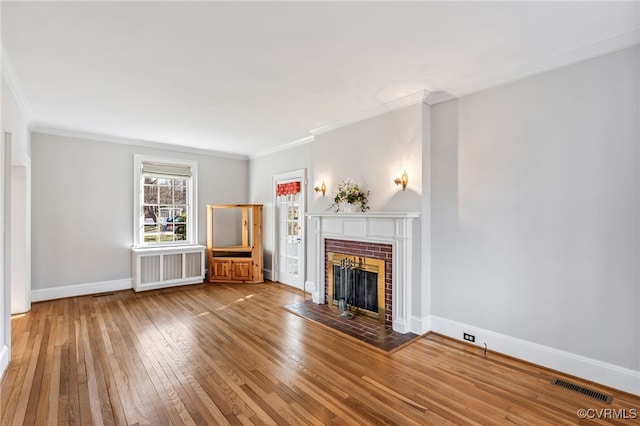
357 287
356 284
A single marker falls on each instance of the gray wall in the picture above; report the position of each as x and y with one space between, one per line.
82 211
535 209
261 172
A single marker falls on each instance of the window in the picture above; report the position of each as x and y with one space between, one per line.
165 196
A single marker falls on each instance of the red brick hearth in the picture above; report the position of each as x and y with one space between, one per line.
364 249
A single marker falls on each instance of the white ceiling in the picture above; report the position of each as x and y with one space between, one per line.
245 77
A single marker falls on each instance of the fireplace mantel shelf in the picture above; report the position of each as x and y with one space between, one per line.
388 215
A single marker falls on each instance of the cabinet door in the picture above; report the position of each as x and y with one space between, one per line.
221 269
242 270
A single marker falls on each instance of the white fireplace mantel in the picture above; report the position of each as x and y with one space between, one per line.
391 228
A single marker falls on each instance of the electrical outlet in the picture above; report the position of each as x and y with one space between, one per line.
469 337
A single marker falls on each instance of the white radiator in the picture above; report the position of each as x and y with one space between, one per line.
159 267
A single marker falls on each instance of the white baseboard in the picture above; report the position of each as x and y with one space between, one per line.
4 359
419 325
268 274
576 365
40 295
310 287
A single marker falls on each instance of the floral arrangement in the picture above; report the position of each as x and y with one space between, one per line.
350 193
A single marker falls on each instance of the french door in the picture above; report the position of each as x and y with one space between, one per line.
290 235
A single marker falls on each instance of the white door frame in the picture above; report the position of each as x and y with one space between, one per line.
21 238
5 285
292 175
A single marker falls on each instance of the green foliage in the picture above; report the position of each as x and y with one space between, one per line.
349 192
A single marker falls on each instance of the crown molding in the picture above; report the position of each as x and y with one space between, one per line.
278 148
11 79
78 134
437 97
591 51
422 96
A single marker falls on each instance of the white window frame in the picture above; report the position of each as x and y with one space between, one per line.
138 213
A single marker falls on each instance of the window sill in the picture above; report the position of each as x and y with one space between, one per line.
177 248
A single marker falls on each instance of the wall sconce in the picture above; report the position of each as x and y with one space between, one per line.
322 188
402 180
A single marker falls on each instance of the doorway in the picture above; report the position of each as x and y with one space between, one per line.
20 240
290 242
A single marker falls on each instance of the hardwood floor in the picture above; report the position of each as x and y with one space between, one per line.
230 354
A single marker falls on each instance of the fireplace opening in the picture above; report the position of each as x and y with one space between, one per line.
356 285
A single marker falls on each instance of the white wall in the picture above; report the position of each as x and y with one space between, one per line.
536 210
5 254
82 212
372 152
20 239
5 320
15 120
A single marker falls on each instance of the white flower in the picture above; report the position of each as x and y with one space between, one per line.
349 192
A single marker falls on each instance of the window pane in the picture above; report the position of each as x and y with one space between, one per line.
180 233
180 194
166 195
150 214
165 205
152 233
150 194
181 215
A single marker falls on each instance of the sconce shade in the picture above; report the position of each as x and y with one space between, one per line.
322 188
402 180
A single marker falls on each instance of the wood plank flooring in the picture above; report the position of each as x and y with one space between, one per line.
215 354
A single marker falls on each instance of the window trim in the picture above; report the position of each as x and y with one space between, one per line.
192 197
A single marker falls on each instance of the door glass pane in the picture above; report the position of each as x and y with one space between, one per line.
290 242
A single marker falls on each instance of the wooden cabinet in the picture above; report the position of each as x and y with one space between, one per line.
234 243
230 269
242 270
220 269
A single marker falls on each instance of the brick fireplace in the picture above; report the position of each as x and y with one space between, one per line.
365 250
387 236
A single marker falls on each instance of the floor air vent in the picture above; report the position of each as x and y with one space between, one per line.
585 391
102 294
